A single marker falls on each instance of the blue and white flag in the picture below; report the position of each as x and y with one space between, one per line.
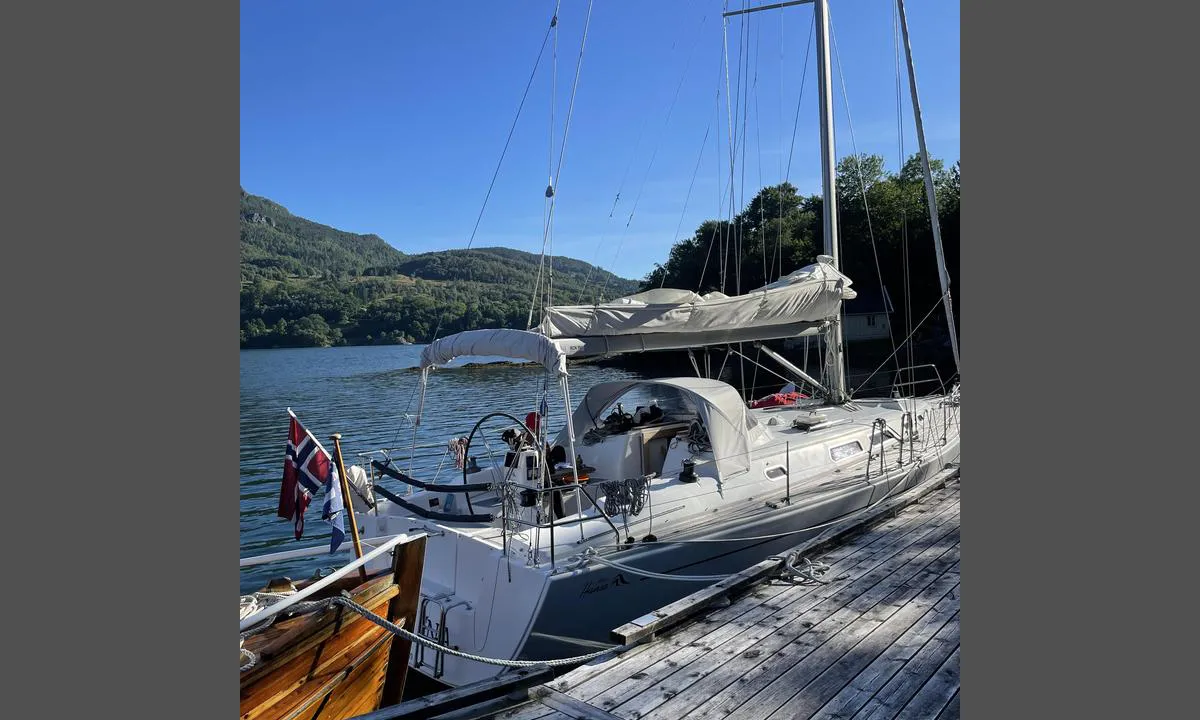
332 510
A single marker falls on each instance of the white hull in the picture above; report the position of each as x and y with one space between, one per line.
522 606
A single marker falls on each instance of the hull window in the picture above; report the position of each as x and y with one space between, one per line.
845 450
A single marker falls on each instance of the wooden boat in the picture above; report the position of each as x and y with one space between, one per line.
332 663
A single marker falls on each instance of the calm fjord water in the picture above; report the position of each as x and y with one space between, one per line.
362 393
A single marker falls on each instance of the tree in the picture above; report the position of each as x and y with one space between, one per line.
882 216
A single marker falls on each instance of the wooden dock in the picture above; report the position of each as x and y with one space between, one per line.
880 639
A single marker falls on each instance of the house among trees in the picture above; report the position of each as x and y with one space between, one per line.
867 316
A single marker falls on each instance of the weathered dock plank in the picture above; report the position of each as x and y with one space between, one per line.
457 698
950 712
677 611
936 693
809 699
817 612
879 640
750 618
860 690
894 695
763 687
573 707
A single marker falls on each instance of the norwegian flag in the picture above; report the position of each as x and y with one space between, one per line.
307 468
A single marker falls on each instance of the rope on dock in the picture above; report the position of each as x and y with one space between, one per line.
806 575
395 629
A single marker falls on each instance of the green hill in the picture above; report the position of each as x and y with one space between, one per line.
277 244
574 280
308 284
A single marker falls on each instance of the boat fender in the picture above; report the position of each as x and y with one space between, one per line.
361 496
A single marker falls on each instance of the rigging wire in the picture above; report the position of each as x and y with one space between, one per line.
511 130
625 176
557 175
687 198
496 173
549 236
762 199
758 142
732 244
715 237
861 181
803 74
779 123
900 166
654 153
885 362
795 126
729 125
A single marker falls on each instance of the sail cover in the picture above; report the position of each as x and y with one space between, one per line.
666 318
517 344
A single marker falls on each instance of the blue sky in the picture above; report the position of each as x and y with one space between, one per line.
389 117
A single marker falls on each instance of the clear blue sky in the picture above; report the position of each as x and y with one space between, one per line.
389 117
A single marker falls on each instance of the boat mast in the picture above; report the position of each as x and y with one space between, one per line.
930 195
837 374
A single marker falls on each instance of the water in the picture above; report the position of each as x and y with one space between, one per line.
364 393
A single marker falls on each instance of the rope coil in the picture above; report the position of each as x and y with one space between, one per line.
624 496
807 575
697 438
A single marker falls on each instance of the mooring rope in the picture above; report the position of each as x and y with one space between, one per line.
808 574
591 553
395 629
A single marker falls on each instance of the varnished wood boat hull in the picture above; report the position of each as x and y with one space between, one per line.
335 664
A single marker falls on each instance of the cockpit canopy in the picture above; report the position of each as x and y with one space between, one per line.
731 429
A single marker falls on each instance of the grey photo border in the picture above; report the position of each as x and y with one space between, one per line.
121 176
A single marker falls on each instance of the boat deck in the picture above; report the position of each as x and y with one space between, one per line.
880 639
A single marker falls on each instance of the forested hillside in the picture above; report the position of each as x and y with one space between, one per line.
306 284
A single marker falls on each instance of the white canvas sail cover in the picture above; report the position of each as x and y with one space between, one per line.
668 318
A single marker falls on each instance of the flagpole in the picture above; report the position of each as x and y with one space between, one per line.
348 501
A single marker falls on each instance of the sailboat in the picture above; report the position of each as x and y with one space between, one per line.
539 551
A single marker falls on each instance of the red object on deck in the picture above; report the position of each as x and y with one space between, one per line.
532 421
778 399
